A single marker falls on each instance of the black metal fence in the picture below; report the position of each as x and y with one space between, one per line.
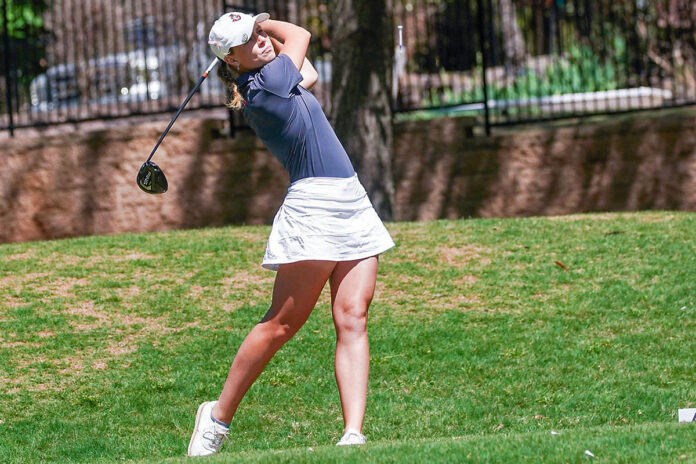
529 60
76 60
509 61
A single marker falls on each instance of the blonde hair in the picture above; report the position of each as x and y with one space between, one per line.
228 76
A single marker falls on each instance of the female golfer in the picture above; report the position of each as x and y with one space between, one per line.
325 230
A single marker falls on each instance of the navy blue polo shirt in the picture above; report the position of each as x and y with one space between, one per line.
290 122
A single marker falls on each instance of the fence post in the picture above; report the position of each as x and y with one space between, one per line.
483 39
227 6
8 73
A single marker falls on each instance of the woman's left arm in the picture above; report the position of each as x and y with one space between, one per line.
309 74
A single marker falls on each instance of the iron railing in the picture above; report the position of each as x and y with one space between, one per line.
509 61
77 60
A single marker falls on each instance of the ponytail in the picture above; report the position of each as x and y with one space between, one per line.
229 76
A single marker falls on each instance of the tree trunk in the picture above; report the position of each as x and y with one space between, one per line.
362 47
513 41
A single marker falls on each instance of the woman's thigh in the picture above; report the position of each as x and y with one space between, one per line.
296 290
352 287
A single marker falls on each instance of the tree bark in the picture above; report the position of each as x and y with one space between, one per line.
513 40
362 46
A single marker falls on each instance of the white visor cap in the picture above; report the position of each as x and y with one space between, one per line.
231 30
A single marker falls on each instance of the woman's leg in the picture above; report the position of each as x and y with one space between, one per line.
352 287
295 292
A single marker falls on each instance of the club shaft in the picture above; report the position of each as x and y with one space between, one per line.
181 108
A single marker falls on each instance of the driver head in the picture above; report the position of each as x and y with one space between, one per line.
151 178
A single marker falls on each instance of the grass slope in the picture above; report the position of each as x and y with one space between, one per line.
494 331
644 443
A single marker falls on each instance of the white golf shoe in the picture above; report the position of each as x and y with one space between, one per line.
208 435
351 437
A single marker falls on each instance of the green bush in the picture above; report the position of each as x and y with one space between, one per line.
579 70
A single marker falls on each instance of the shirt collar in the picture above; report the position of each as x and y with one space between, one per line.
244 79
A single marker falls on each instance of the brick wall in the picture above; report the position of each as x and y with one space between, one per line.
633 162
81 181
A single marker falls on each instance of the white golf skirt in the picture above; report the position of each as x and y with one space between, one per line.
325 218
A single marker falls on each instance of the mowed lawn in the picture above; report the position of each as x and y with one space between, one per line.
486 336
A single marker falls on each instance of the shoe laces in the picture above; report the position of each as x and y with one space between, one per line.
352 437
215 438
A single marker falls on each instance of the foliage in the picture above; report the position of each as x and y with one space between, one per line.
26 32
580 70
24 18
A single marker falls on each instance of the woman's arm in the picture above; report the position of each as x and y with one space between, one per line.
294 38
309 74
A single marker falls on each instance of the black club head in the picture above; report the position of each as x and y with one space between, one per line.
151 179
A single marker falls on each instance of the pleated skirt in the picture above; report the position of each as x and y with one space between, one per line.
325 218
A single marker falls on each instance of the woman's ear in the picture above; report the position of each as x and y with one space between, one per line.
231 61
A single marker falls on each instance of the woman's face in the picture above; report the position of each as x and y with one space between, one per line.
254 54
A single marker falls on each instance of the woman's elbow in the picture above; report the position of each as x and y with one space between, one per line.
309 81
306 35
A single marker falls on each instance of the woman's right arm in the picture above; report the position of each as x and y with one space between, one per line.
295 39
309 74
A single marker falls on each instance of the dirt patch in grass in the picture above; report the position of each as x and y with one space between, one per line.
73 365
197 291
242 279
29 254
11 302
583 217
87 310
251 286
38 387
429 298
97 318
59 260
466 279
132 257
408 235
62 260
651 218
125 346
43 282
128 292
402 280
62 286
19 344
99 365
252 237
464 255
19 280
461 301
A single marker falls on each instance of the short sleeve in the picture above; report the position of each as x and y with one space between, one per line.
279 76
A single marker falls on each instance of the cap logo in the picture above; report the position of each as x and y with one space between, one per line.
235 17
245 38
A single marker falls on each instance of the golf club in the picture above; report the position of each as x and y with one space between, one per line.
151 178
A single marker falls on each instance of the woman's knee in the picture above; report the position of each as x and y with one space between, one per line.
277 333
350 318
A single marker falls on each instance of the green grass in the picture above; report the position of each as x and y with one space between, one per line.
480 346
